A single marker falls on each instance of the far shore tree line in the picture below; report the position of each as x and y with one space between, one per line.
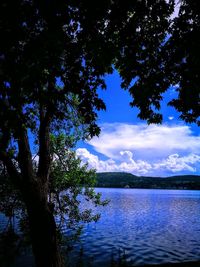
128 180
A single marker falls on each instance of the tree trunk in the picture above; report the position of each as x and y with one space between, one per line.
43 230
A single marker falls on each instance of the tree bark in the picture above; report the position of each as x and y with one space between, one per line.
42 229
41 220
34 190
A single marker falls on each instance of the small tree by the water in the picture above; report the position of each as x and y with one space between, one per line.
70 183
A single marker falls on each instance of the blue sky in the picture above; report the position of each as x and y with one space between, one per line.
128 144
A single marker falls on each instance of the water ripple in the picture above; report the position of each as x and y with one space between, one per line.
148 226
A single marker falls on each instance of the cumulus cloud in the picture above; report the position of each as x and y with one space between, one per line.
144 150
175 163
172 164
127 164
145 142
94 162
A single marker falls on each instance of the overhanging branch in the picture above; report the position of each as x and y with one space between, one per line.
14 175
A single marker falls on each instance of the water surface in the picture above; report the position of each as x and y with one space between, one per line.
148 226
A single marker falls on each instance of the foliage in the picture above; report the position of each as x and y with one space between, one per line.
122 180
77 43
71 189
175 61
71 193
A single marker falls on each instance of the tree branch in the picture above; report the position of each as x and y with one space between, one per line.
6 159
11 169
25 156
44 146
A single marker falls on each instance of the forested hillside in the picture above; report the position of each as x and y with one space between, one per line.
128 180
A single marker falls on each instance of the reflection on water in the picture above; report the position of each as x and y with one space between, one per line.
149 226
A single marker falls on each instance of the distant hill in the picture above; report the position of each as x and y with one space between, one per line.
128 180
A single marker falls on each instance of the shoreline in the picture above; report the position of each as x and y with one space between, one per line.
175 189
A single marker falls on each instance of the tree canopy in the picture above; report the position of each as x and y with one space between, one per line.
174 62
77 43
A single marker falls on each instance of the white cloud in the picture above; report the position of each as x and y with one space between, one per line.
127 163
172 164
175 163
145 142
144 150
94 162
176 9
170 118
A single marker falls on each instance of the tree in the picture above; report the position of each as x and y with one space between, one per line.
53 58
70 183
173 62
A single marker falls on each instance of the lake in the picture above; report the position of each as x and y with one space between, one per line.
148 226
145 226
